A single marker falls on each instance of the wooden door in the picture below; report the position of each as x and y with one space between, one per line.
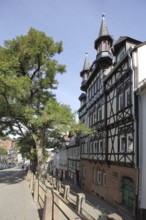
127 193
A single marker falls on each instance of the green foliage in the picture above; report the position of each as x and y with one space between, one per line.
3 151
27 77
27 103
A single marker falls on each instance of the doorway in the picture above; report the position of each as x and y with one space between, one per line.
127 193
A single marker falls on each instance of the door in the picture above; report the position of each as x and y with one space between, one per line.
127 193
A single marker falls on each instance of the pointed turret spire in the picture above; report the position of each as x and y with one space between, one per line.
86 63
103 29
103 33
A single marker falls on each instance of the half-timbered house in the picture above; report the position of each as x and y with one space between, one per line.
73 155
109 105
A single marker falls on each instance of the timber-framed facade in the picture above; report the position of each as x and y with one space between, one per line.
109 158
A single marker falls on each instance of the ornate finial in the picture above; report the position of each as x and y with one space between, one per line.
86 54
103 15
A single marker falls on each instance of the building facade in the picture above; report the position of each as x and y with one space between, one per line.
112 157
73 155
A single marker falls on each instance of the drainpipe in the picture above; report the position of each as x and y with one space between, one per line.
136 126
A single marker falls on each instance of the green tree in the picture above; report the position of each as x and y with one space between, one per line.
28 71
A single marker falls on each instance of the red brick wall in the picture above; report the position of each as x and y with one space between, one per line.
112 191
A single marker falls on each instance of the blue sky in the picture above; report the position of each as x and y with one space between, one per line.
76 23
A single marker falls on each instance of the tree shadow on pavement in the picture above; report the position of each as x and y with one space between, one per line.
40 211
12 176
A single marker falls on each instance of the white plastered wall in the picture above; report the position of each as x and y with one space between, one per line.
142 149
141 61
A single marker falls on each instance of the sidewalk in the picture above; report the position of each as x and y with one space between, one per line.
16 202
97 202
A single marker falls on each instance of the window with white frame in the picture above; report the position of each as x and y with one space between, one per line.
99 114
122 143
126 143
95 147
94 117
127 97
99 177
129 143
100 146
85 148
104 178
97 83
78 165
90 147
121 101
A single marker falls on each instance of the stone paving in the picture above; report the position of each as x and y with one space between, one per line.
16 201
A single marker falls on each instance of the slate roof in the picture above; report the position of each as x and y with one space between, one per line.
86 63
103 29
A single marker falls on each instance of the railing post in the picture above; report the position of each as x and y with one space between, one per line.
58 185
80 199
36 190
54 183
66 191
48 206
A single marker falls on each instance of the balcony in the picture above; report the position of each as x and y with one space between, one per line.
104 55
83 85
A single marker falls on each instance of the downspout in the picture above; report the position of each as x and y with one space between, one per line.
136 127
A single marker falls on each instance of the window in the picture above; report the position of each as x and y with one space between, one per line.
129 143
126 143
94 117
127 97
121 102
120 54
100 146
104 45
122 143
99 114
104 179
99 177
95 147
97 83
90 119
94 175
90 147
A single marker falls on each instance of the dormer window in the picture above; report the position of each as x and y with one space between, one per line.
121 53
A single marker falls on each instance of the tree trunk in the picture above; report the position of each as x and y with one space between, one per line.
40 155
